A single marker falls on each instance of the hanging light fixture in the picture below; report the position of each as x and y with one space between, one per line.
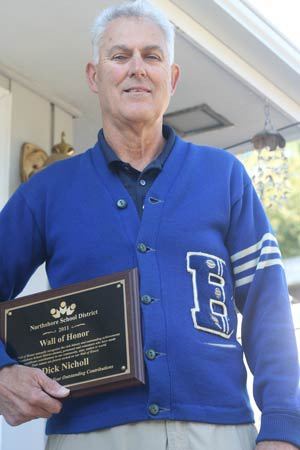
271 176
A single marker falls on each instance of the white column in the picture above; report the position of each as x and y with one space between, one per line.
29 436
5 123
42 126
5 134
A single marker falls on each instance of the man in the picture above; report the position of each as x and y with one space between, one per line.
189 219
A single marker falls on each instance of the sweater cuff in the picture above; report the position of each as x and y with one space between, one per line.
280 426
5 359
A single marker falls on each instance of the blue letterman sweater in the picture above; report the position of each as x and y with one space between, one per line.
210 251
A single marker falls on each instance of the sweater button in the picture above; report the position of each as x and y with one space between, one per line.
153 409
142 247
146 299
151 354
121 203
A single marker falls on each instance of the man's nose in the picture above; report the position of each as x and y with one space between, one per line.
137 67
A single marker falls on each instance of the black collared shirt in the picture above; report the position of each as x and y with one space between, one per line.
137 183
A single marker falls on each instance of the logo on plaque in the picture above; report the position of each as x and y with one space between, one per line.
63 310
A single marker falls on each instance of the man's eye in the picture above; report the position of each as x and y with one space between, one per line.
119 57
155 57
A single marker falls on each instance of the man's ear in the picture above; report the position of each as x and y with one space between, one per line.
92 77
175 75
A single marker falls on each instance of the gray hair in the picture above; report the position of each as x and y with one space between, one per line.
136 8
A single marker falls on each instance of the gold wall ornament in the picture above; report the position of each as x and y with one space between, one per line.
33 158
63 148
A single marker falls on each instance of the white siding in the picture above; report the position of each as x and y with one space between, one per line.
26 117
31 122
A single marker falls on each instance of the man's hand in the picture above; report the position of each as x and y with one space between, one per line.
27 394
275 445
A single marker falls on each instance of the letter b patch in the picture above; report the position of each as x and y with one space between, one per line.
210 310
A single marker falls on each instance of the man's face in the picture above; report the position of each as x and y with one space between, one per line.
133 79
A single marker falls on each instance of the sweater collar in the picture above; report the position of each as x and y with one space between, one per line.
157 195
113 160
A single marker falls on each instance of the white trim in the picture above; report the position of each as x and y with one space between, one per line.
260 266
224 316
40 90
245 280
267 250
253 248
220 280
246 266
5 136
258 26
221 345
230 60
269 262
254 262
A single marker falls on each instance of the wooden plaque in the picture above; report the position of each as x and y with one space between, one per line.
86 336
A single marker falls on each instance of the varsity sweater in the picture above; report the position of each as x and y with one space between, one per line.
208 251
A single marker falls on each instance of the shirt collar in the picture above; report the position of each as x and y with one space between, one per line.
113 160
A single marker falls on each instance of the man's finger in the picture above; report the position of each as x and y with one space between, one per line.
52 387
46 402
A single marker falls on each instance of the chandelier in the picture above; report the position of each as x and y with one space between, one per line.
271 175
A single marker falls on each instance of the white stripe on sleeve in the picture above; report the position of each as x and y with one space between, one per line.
253 248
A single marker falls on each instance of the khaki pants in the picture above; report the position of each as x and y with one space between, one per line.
160 435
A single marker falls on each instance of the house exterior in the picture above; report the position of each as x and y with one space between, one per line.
232 61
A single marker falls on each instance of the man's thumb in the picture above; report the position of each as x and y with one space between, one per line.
53 388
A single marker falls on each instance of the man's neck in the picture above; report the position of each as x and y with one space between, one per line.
136 145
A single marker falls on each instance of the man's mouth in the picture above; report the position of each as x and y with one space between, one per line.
137 89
